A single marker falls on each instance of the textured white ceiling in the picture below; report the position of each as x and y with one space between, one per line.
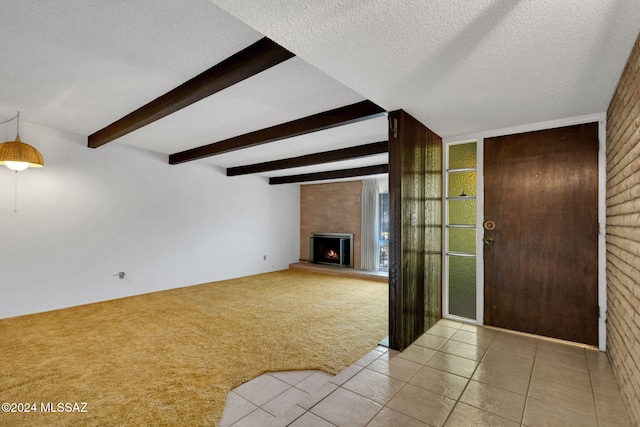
79 65
459 67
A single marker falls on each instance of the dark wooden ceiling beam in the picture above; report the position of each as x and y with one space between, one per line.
313 159
317 122
250 61
336 174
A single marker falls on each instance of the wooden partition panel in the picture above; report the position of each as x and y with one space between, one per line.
415 247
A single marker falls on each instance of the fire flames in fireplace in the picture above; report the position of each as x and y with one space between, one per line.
332 255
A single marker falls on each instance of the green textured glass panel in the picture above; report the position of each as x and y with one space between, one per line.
463 156
462 184
462 240
462 212
462 287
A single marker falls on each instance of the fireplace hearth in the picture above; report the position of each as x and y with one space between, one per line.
331 248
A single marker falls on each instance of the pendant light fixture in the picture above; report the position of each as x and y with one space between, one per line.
17 155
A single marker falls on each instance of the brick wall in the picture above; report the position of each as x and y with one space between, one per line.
623 233
331 208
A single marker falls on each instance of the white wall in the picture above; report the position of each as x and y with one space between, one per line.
89 214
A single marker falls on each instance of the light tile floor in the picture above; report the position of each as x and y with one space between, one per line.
454 375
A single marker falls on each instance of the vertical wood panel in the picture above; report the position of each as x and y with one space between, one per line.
415 253
433 229
413 138
396 300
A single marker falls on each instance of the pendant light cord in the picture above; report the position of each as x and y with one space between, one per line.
16 194
12 118
15 206
17 116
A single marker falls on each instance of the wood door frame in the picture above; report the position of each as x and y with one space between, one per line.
480 137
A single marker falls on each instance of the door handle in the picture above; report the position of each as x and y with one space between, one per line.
489 225
488 241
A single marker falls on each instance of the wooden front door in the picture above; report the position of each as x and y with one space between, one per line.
541 257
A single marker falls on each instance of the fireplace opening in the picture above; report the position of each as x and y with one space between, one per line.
331 248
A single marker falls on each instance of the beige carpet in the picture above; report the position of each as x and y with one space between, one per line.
170 358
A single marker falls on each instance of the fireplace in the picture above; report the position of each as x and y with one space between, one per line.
331 248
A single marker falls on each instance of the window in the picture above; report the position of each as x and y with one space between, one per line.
383 227
460 182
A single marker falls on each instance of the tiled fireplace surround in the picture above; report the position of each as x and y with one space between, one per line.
331 208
